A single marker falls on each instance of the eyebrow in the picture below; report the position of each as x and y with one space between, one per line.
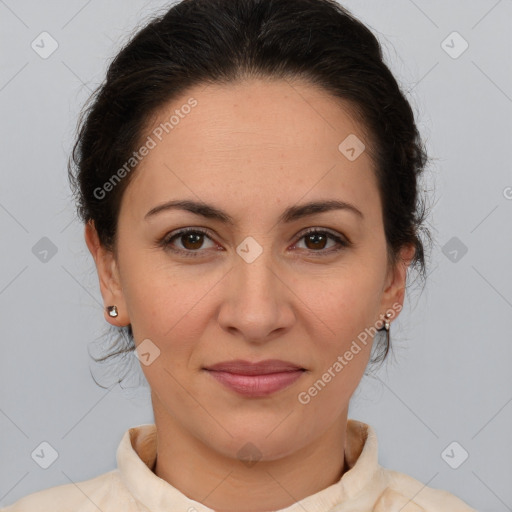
291 214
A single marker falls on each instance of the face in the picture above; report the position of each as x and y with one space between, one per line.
249 281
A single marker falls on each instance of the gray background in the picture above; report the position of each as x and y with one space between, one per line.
449 379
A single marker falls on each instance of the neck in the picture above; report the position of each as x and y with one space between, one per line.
226 484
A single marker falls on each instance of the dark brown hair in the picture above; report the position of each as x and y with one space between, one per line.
221 41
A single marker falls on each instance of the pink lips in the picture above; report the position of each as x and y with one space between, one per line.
256 379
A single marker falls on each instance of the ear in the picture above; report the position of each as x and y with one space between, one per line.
394 290
108 275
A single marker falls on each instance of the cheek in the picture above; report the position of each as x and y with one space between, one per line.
341 305
171 308
158 296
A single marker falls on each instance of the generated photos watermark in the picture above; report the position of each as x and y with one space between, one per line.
304 397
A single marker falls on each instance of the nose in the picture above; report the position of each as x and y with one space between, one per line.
256 302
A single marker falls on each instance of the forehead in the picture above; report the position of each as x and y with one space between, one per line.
273 138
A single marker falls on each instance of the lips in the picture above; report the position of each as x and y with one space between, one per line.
262 368
256 379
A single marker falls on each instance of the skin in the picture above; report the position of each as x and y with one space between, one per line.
251 149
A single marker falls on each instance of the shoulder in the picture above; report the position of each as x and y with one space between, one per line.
380 489
414 496
85 496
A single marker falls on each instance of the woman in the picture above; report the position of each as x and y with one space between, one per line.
248 179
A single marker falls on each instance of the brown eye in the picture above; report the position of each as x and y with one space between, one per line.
190 242
316 240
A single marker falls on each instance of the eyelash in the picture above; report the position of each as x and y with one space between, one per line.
166 241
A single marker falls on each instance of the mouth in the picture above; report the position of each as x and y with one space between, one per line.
256 379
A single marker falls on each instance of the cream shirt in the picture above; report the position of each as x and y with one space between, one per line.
133 487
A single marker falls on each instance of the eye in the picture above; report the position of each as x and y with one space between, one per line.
316 239
191 240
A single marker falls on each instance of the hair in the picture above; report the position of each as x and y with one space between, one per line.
225 41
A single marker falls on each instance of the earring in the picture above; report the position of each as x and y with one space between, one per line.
387 327
112 311
386 322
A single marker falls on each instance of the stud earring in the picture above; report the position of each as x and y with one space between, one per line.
112 311
386 322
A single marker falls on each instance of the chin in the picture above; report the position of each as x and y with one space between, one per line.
266 440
